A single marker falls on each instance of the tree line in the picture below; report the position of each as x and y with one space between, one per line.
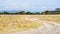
21 12
56 11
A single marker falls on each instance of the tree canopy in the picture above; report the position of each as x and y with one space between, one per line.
56 11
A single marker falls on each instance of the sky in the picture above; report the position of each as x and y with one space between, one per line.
29 5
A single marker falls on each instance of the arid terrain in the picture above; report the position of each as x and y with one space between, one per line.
52 18
29 24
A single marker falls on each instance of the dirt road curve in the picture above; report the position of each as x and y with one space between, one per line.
48 28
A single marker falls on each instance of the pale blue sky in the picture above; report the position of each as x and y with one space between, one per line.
29 5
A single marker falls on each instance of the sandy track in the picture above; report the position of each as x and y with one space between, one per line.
48 28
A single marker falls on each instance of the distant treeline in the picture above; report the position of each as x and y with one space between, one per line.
21 12
56 11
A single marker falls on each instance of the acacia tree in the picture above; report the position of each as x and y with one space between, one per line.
29 12
21 12
5 12
57 9
37 13
45 12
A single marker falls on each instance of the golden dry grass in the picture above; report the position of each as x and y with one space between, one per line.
52 18
16 23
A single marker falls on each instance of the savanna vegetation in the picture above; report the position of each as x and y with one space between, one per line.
56 11
14 23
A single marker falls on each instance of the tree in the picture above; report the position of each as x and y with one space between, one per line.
45 12
57 9
21 12
29 12
37 13
5 12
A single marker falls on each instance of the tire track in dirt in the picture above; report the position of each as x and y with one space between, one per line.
48 28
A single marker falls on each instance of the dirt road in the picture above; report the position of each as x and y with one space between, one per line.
48 28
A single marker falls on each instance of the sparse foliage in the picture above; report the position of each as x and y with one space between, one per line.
57 11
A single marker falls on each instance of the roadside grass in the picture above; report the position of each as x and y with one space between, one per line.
52 18
16 23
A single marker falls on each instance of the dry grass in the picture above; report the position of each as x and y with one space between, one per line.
52 18
16 23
